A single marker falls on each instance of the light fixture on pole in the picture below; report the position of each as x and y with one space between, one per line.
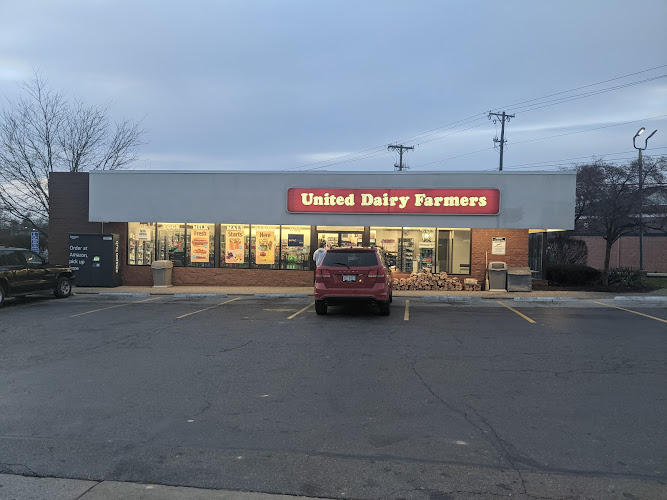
641 194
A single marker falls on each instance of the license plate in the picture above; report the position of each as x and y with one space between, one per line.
349 277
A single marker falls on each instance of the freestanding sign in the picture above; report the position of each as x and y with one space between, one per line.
34 241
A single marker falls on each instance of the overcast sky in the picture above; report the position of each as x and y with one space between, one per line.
327 85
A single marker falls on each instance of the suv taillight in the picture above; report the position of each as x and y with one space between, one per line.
322 273
376 273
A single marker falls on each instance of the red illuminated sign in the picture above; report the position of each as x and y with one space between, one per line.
394 201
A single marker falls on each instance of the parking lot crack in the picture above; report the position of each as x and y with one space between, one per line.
221 351
22 469
483 427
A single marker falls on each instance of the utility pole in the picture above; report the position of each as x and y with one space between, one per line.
400 148
502 117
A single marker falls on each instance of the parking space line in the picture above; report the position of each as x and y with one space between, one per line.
202 310
406 316
299 312
631 311
112 307
517 312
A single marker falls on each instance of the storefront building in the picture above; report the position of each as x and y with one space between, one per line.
261 228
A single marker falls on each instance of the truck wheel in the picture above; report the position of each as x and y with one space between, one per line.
320 307
63 287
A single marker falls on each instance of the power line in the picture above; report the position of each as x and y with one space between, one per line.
379 150
587 157
575 97
582 87
541 139
588 130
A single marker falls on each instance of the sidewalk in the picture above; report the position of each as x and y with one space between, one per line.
308 291
14 487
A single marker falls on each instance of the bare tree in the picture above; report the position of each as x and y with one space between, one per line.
43 132
609 200
564 249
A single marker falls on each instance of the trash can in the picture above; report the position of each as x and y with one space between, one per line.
519 279
162 272
497 276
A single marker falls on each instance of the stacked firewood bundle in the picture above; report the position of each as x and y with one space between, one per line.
471 285
426 280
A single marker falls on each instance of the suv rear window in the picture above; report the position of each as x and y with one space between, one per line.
350 259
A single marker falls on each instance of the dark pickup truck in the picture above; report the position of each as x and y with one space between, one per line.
23 272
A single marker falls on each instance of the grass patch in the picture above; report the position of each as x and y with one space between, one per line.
655 282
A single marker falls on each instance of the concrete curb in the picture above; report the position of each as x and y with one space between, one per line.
199 295
640 298
449 298
123 294
546 299
280 295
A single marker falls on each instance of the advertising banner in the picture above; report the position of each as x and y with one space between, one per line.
394 201
200 249
265 247
234 249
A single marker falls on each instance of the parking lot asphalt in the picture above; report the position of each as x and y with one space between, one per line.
481 398
259 290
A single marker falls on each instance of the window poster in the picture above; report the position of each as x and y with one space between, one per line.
142 234
199 250
295 240
234 251
265 244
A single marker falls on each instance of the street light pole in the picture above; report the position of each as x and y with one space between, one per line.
641 193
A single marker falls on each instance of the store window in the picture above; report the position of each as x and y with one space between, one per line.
453 251
388 239
171 242
200 245
264 248
140 243
235 245
294 247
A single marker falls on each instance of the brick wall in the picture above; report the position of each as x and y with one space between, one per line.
181 276
625 252
68 213
516 250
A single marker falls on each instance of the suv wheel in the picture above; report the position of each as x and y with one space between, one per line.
63 288
320 307
384 308
2 294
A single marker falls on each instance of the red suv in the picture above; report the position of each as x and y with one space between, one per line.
353 274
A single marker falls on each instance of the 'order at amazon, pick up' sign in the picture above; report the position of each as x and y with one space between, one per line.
395 201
